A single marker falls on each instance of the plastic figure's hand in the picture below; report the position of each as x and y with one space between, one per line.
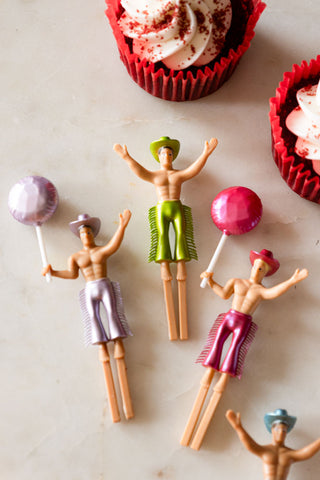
122 151
234 419
299 275
210 146
124 218
207 275
47 269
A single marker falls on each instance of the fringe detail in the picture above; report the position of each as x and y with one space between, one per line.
154 233
120 308
189 233
212 334
245 347
87 327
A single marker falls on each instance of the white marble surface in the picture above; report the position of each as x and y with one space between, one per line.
65 99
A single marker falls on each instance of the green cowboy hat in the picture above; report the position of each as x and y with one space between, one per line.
279 416
165 142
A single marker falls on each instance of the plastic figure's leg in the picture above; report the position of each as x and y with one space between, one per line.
166 280
119 354
105 360
209 411
182 293
197 407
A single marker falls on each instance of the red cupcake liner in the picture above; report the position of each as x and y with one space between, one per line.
193 82
295 170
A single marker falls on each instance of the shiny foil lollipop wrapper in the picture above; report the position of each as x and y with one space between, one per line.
235 211
32 201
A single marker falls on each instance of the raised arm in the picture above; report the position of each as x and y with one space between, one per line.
117 238
223 292
235 422
71 273
281 288
138 169
306 452
198 165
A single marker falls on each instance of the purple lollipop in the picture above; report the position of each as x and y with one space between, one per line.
235 210
32 201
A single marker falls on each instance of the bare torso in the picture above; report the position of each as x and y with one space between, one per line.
167 184
276 462
247 296
92 263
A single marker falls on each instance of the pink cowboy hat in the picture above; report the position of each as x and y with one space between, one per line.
267 257
84 220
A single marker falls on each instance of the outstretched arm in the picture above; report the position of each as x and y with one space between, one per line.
138 169
71 273
235 422
223 292
117 238
306 452
198 165
281 288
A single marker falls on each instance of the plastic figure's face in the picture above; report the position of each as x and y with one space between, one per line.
165 157
279 433
259 270
86 236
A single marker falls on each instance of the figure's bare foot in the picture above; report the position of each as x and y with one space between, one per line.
165 272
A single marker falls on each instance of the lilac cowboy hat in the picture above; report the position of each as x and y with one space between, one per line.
84 220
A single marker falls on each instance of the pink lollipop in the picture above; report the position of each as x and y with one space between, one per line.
235 210
32 201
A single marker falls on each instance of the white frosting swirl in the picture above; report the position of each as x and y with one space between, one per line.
179 33
304 122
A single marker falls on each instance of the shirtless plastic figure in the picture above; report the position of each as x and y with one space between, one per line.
169 209
92 261
247 294
276 457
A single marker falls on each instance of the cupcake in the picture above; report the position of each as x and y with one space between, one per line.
295 128
182 49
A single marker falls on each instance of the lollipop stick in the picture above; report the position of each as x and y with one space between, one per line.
42 251
214 258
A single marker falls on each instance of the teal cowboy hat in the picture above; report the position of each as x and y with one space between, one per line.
279 416
168 142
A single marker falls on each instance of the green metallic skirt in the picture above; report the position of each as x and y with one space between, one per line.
160 218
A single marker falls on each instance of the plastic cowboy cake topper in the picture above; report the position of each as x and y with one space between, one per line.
169 209
92 261
276 457
247 294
